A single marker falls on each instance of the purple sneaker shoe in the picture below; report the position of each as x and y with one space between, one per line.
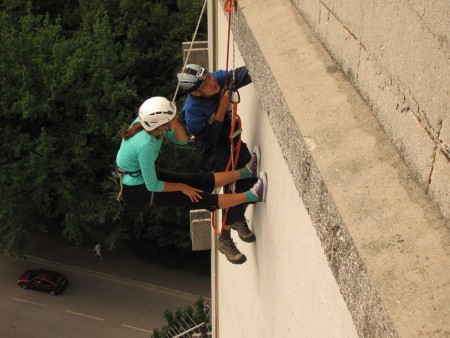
255 163
260 187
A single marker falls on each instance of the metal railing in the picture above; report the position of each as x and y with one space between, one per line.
187 328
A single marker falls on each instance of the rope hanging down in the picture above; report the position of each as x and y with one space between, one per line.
194 36
230 6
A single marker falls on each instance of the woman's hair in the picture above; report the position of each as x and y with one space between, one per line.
133 130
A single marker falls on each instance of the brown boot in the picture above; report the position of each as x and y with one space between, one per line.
229 249
243 231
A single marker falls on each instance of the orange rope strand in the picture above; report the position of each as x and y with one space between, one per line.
229 7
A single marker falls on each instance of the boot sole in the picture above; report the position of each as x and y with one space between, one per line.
249 239
241 261
263 177
258 159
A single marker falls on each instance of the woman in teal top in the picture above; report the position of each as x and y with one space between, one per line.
146 185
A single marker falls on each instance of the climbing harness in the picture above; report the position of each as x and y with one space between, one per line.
117 176
118 173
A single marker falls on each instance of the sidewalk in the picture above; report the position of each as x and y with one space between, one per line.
46 249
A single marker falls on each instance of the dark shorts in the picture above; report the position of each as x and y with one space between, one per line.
216 160
138 196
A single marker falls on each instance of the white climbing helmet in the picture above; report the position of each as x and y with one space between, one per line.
192 77
155 112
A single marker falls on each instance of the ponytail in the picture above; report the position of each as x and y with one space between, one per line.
133 130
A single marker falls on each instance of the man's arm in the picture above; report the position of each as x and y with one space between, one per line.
224 104
213 131
242 77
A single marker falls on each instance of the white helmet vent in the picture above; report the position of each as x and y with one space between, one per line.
155 112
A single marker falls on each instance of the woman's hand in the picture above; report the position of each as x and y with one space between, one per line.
193 193
174 122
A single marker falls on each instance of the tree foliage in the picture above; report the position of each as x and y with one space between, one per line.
183 319
72 74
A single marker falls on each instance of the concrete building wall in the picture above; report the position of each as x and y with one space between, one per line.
348 243
397 55
286 288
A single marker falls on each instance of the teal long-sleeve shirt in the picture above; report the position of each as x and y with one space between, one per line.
140 153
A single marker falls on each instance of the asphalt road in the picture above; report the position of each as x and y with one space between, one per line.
93 305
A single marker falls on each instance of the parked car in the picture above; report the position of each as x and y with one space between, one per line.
43 280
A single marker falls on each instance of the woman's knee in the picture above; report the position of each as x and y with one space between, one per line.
209 201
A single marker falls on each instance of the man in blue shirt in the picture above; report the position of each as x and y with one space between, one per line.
207 116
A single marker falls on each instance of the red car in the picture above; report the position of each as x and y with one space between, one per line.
43 280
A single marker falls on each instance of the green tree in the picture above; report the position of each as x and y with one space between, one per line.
183 319
72 75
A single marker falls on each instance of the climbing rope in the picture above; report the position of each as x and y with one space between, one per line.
230 6
194 36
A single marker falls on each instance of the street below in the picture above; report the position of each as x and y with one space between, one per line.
94 304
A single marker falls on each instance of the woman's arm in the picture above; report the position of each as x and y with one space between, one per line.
147 158
178 130
192 193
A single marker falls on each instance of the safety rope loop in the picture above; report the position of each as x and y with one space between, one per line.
235 148
119 195
116 177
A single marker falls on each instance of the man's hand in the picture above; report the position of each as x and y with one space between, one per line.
224 104
225 99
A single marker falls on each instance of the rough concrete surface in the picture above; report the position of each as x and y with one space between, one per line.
200 223
397 55
386 243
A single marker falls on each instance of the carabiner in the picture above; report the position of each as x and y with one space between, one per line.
235 97
227 7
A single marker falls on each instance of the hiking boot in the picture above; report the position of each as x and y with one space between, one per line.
260 187
245 234
231 252
255 162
